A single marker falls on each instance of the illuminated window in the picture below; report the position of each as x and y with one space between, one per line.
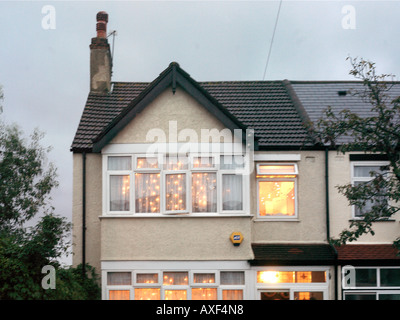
119 294
147 192
291 277
174 184
119 193
147 294
204 294
147 278
232 294
175 295
277 190
175 278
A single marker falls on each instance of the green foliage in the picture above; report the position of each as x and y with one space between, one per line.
26 181
379 132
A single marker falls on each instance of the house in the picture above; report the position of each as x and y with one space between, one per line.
209 190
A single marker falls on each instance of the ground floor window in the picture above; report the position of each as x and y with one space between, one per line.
176 285
284 283
371 283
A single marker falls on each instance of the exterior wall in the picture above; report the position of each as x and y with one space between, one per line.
93 209
161 115
174 238
310 225
341 212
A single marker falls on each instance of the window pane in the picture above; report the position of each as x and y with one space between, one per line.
118 278
204 294
175 192
275 277
119 163
276 169
147 192
176 163
204 278
119 193
360 296
232 294
366 278
389 296
390 277
309 276
275 295
175 295
203 162
147 278
308 296
364 171
175 278
378 200
146 162
119 294
231 162
276 198
232 277
147 294
232 194
204 192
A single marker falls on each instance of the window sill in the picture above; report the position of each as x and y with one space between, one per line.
182 215
380 220
277 219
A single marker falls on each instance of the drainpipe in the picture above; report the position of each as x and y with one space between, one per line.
328 235
83 214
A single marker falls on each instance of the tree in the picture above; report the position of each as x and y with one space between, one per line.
26 181
378 133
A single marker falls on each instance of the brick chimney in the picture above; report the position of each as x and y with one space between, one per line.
100 57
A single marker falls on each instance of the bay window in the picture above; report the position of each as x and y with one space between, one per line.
173 184
176 285
277 186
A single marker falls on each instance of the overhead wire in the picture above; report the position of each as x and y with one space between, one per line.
272 39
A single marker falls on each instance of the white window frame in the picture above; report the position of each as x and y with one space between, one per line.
378 279
362 179
163 172
258 179
191 285
293 287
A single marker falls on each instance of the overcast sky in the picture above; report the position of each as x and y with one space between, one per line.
44 52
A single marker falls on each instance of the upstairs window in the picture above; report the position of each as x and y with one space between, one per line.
363 173
174 184
277 195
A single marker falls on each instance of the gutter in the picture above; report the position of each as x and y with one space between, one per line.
83 214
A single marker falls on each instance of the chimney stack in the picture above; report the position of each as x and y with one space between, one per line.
100 58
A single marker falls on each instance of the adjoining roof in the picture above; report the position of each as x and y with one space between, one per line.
264 106
368 254
292 254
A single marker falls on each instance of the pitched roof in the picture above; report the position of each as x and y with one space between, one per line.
292 254
264 106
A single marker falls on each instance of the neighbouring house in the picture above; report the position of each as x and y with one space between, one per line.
209 190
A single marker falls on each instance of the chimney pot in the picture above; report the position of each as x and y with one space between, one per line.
101 26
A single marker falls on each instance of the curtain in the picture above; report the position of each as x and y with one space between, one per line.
147 294
147 278
119 193
204 294
232 192
147 192
232 277
175 192
204 192
232 294
204 278
232 162
146 162
175 295
175 278
119 163
119 295
118 278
